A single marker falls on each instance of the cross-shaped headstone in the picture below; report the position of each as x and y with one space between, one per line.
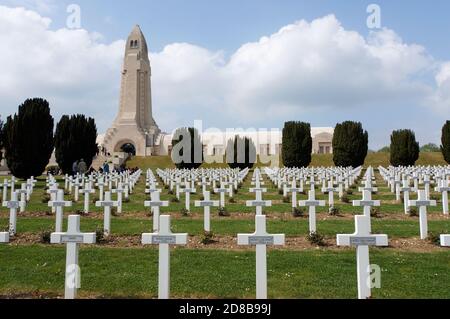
444 188
367 203
107 204
53 190
86 191
422 202
222 190
261 239
406 189
155 205
72 238
312 203
294 190
23 192
5 190
207 203
187 191
13 205
330 190
119 190
59 204
164 237
362 239
259 203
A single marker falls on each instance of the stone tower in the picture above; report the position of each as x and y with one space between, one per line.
134 124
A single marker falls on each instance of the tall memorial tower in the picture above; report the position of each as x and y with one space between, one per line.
134 124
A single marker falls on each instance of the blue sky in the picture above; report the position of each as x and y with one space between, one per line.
396 77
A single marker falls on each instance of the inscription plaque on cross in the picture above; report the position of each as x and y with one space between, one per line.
362 239
59 204
72 238
164 237
261 239
259 203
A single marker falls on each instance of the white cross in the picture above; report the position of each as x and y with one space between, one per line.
155 205
368 186
164 238
22 191
294 190
107 204
72 238
53 190
119 190
187 191
367 203
5 190
203 184
261 239
87 190
362 239
59 203
406 189
444 189
13 205
423 203
312 203
330 190
77 188
426 182
222 190
101 186
259 203
207 204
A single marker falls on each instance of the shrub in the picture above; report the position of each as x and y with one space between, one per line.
99 236
404 148
223 212
316 239
345 199
413 212
286 199
297 144
298 212
75 139
207 238
350 144
193 158
241 153
435 239
349 192
114 211
174 200
334 211
46 236
45 198
171 192
185 212
28 139
375 212
125 200
232 200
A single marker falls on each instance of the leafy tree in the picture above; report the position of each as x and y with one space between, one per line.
297 144
445 148
350 144
241 153
429 148
75 139
28 139
404 148
187 148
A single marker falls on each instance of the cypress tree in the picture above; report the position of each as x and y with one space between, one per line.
1 139
75 139
187 154
404 148
28 139
445 148
350 144
297 144
241 153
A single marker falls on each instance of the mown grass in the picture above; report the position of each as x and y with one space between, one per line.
222 274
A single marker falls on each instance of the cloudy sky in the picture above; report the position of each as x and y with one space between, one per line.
250 64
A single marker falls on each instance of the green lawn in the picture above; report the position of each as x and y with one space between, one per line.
222 274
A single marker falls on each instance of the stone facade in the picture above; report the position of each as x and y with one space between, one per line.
135 125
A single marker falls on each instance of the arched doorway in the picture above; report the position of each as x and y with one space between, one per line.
128 148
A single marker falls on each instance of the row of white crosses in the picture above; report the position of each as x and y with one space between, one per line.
396 176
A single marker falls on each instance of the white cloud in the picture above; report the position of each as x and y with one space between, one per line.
304 67
41 6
